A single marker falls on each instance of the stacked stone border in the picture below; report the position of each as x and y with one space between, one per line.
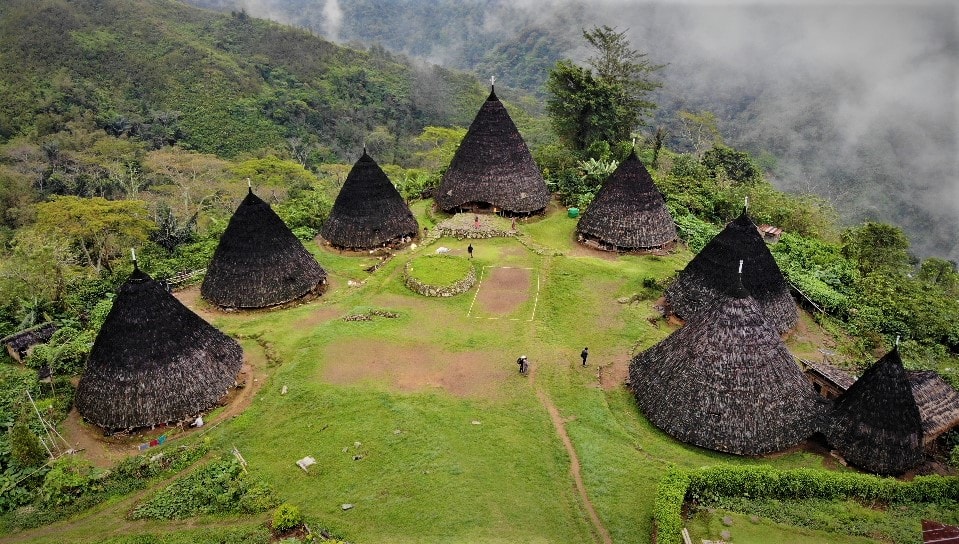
427 290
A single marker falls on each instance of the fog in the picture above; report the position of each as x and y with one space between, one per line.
857 100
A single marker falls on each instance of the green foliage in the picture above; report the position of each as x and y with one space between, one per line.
695 232
222 486
67 349
725 161
668 505
271 171
286 518
68 479
25 448
876 247
77 486
99 229
764 482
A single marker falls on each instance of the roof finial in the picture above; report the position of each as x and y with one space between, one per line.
249 185
133 255
746 205
740 267
897 340
492 82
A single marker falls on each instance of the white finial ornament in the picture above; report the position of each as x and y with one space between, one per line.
897 340
740 266
747 204
249 183
133 254
492 81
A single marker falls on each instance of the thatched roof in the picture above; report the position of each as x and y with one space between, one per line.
259 262
493 167
369 212
715 267
938 403
19 343
154 361
876 424
629 212
725 381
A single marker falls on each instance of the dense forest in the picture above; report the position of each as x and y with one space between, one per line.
136 123
852 103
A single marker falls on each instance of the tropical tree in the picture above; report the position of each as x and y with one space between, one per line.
606 101
876 247
99 229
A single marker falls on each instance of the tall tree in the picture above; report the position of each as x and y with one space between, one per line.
99 228
876 247
605 102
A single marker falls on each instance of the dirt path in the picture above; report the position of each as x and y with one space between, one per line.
574 466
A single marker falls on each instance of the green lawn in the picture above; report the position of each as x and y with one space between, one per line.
423 425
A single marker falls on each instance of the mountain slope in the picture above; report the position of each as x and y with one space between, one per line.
215 83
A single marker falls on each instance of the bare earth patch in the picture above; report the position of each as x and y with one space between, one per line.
613 375
190 297
504 290
413 369
317 316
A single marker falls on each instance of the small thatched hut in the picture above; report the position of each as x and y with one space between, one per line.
493 171
154 361
876 424
369 212
714 268
259 262
19 344
629 213
938 403
725 381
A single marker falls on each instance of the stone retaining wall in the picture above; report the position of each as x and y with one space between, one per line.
426 290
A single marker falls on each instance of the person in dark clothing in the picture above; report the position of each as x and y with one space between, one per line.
584 355
523 364
469 249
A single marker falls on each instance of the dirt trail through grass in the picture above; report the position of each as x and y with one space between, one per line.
574 466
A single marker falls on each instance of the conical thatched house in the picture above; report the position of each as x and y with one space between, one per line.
706 276
629 213
876 424
259 262
154 361
369 212
725 381
493 171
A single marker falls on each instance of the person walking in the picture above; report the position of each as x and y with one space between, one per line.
584 355
469 249
523 364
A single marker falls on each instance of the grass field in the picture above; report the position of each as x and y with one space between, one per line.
422 423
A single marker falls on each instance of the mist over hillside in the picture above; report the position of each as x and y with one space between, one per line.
857 102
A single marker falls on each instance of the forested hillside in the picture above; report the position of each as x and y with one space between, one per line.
215 84
855 103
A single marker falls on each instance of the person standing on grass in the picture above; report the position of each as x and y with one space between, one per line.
469 249
523 364
584 355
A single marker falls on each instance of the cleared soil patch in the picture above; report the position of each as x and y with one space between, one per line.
317 316
413 369
503 291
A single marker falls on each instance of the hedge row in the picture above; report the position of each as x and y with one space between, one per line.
765 482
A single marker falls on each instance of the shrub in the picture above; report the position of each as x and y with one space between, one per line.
286 518
763 482
25 447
